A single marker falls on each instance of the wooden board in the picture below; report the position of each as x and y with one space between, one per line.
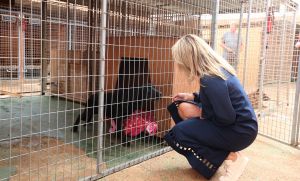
254 55
157 50
68 76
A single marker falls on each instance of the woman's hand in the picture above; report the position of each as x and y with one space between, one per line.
188 111
183 96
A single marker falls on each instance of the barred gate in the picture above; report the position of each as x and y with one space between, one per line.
267 62
267 66
112 59
278 102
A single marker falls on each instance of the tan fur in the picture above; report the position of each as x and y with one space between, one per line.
10 94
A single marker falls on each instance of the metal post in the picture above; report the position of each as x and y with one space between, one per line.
69 47
291 64
101 84
22 59
282 43
44 47
95 42
239 34
214 24
296 113
90 65
68 29
247 42
263 59
200 28
19 50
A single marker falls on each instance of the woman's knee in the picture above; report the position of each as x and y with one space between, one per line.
184 133
179 132
187 111
184 127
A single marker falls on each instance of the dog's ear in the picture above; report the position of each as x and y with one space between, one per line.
155 93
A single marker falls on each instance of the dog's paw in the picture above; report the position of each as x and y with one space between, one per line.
127 144
74 129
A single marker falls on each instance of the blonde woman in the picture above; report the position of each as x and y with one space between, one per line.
227 123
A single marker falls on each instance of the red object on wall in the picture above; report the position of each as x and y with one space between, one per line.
24 24
269 24
270 19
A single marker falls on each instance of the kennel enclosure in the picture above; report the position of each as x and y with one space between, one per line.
54 54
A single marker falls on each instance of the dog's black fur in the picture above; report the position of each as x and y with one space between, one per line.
119 104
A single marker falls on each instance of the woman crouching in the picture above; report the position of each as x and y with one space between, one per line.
227 123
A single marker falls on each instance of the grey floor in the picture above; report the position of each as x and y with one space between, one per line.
37 115
46 116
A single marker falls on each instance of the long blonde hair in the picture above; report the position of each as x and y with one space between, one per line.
198 59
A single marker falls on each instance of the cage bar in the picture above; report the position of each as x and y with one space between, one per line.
80 80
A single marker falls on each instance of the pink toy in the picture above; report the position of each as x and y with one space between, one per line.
139 122
151 128
113 126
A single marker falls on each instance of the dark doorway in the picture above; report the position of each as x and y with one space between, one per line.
133 72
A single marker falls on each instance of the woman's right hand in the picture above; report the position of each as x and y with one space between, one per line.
183 96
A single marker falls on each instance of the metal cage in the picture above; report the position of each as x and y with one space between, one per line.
107 66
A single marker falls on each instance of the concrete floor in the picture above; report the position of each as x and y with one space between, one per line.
38 123
269 161
276 117
53 117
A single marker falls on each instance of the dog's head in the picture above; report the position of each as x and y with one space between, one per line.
150 92
140 93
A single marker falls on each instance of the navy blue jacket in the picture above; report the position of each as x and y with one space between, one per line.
224 101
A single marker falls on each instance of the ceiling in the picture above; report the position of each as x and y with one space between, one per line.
179 6
174 6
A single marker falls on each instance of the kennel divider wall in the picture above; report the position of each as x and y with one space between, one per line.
71 81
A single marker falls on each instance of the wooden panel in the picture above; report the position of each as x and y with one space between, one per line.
59 36
69 77
77 80
66 78
157 51
58 72
253 61
7 2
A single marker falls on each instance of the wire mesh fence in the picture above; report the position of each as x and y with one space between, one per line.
120 69
85 83
264 64
277 80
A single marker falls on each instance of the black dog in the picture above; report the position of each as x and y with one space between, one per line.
119 104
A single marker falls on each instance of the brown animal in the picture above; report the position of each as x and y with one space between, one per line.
2 92
254 98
